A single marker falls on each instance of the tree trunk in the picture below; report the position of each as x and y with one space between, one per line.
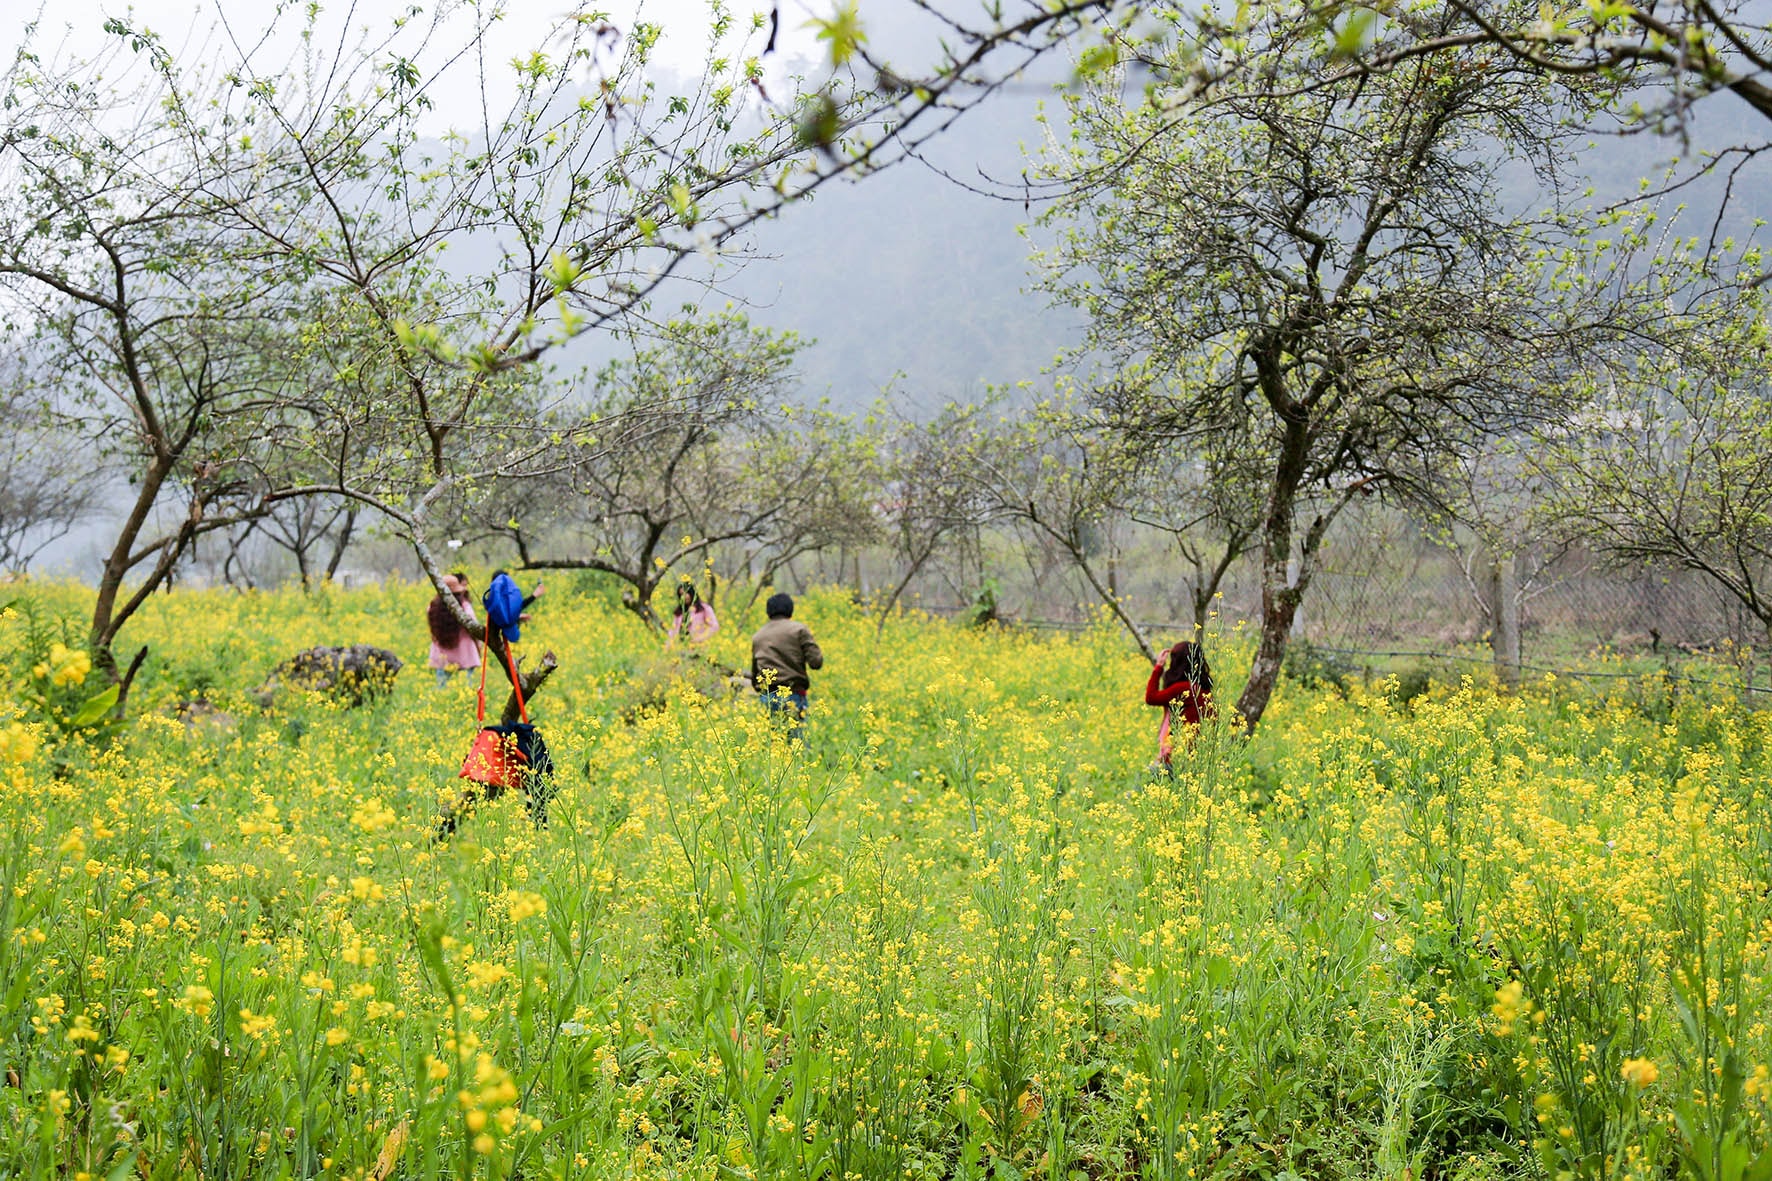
532 681
233 561
128 680
640 601
1278 608
892 599
105 624
1206 584
1280 593
343 543
1293 566
758 582
1108 595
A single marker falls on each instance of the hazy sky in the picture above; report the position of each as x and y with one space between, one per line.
204 28
903 279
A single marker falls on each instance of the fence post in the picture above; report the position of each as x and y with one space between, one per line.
1504 638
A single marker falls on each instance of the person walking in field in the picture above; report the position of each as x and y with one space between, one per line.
1181 685
782 652
452 646
692 616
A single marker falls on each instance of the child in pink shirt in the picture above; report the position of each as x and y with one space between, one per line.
452 646
692 615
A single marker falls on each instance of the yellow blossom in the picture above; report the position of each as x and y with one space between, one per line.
17 743
523 904
1510 1006
199 1001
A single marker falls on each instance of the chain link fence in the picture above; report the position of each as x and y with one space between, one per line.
1388 596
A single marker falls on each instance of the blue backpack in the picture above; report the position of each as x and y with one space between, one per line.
504 606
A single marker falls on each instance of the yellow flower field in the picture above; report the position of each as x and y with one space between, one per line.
963 932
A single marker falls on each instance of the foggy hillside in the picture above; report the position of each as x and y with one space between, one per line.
908 272
902 277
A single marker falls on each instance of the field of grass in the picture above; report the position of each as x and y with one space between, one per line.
961 933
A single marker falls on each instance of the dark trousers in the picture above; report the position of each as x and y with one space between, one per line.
788 709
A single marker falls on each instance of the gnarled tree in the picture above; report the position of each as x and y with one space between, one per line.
1326 272
1667 464
713 456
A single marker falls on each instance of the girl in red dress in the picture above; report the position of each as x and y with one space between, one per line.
1181 683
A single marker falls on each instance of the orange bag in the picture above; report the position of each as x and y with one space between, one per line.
495 759
506 756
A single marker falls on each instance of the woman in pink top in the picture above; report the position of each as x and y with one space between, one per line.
452 646
691 614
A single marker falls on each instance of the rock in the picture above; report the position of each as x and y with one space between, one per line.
200 715
349 676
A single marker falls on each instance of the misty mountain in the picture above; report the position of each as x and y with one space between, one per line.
908 272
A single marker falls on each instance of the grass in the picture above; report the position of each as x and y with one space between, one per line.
962 933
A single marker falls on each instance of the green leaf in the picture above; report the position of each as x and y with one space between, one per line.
822 123
1352 36
95 707
562 272
1097 59
843 31
430 950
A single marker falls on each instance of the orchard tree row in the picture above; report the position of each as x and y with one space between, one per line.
285 301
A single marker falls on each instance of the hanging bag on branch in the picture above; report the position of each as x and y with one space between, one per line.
503 601
508 755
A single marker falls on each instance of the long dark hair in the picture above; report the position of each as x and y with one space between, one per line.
446 629
1187 662
684 608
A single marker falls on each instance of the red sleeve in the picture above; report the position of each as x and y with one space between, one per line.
1175 692
1155 694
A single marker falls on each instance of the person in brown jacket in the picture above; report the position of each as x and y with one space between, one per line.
782 652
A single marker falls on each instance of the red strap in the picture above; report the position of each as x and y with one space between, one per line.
516 684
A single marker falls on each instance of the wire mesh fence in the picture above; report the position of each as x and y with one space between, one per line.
1387 595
